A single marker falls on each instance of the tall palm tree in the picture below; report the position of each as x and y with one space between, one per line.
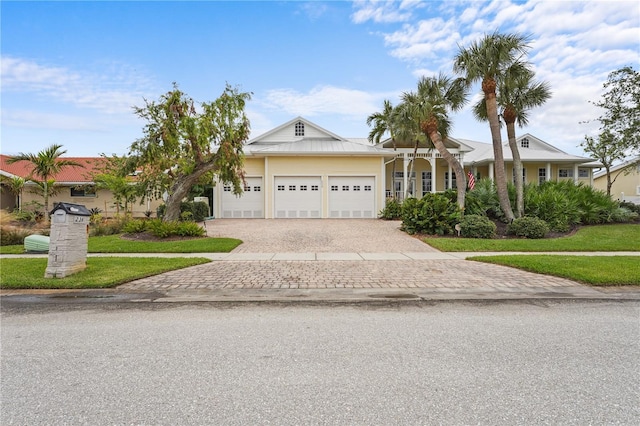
429 106
384 122
487 61
44 166
517 94
14 185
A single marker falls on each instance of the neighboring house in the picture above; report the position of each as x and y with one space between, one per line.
627 183
73 185
300 170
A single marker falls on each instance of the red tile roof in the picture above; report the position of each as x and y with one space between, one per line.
68 174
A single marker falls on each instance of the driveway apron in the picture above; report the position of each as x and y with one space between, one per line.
341 254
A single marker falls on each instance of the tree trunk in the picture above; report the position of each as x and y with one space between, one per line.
517 167
180 189
461 179
501 182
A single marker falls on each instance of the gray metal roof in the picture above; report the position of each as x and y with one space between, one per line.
316 147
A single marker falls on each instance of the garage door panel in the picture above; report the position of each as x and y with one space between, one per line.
352 197
250 204
298 197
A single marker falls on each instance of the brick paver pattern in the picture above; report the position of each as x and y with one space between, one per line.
346 274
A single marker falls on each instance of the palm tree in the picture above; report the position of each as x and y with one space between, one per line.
15 185
384 122
44 165
517 94
429 106
487 61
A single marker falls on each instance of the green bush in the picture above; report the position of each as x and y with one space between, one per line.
135 226
528 227
189 229
392 210
623 215
159 228
631 206
109 227
483 200
433 214
476 226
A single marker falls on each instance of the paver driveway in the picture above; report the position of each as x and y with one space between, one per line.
256 269
316 236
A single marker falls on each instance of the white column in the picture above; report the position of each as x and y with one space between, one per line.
268 185
549 171
591 177
432 162
405 166
450 183
575 173
491 171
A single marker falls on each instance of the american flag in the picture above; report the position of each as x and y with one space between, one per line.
472 180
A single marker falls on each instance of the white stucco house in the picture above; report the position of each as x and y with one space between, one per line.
300 170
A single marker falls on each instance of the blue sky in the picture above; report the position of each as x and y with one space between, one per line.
71 71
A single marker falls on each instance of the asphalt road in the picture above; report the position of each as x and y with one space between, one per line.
440 363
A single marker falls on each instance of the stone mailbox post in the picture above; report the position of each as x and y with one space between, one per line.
68 240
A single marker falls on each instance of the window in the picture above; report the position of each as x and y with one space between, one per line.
314 187
256 189
356 187
299 130
583 173
334 187
227 188
524 175
303 187
280 187
565 173
367 187
542 176
292 187
446 180
524 143
247 188
427 185
345 187
83 191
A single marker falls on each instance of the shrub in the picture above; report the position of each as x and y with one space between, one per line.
434 214
10 237
109 226
135 226
528 227
159 228
189 229
476 226
392 210
631 206
622 215
483 200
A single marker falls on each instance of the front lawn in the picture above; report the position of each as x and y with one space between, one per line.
101 272
116 244
594 270
622 237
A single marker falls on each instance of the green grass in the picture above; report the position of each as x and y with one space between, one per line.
115 244
623 237
594 270
102 272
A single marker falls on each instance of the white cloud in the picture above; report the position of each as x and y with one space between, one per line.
384 11
574 47
323 100
113 90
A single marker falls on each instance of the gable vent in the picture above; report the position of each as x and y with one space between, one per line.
299 129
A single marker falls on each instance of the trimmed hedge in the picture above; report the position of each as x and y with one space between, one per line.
477 226
528 227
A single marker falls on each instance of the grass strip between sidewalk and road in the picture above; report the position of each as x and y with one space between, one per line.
593 270
101 272
624 237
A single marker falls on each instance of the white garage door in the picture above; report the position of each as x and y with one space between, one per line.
250 204
298 197
352 197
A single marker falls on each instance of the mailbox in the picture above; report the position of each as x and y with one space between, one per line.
68 240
